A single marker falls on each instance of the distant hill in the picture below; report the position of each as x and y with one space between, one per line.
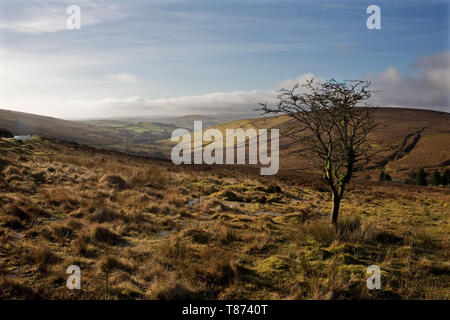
20 123
188 121
106 123
179 121
408 138
138 138
414 138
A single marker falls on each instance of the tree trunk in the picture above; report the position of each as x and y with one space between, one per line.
335 209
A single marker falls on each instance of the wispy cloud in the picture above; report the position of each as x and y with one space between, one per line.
123 77
50 16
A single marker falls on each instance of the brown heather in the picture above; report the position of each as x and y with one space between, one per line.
146 229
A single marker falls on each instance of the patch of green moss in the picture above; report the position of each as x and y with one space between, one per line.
355 270
228 195
273 265
319 254
208 186
275 197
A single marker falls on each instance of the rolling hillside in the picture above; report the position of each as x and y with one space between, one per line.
20 123
138 138
179 121
405 138
409 138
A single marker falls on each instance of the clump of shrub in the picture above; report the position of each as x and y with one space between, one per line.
163 208
104 214
5 133
150 177
229 196
421 178
446 178
273 188
16 289
175 248
110 263
436 179
39 177
221 271
104 235
43 257
320 231
61 197
175 199
62 231
348 226
383 176
114 182
198 236
12 223
386 237
225 234
172 290
11 170
4 163
17 211
82 246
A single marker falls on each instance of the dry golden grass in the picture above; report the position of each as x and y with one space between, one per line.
142 229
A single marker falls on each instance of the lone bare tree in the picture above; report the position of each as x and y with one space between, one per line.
334 128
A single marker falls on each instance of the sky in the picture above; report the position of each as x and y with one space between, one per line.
178 57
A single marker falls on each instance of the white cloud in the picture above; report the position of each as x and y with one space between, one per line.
123 77
244 102
50 16
235 102
427 88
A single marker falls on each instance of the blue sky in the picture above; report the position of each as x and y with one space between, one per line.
207 56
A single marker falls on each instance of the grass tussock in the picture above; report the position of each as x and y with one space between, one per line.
103 234
43 257
104 214
110 263
12 289
175 248
171 290
143 229
114 181
61 197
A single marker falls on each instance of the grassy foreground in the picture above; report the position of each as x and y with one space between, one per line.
142 229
